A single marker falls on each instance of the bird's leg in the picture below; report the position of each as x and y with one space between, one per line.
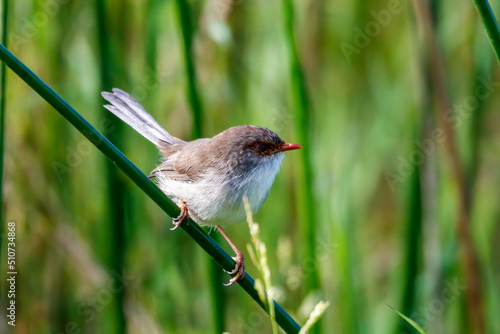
183 215
239 268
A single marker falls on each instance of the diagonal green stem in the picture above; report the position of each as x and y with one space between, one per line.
285 321
490 24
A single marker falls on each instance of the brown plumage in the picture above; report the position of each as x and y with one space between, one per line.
209 177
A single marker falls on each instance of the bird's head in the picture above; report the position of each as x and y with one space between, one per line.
248 146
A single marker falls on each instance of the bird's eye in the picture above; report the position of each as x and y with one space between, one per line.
261 147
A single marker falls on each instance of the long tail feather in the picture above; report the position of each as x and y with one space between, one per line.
125 107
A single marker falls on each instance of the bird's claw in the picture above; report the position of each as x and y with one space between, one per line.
239 269
183 215
176 224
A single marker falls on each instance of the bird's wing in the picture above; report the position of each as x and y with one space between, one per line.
167 170
187 164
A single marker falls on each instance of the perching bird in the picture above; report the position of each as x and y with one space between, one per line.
209 177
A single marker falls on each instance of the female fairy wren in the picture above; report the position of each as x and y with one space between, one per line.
209 177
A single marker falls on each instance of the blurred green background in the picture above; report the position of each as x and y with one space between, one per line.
393 202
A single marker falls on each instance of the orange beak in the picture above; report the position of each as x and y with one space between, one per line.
290 147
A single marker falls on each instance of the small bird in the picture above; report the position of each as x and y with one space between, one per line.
209 177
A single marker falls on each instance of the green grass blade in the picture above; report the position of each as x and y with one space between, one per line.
3 91
301 106
117 193
305 194
286 322
490 24
186 26
408 320
412 241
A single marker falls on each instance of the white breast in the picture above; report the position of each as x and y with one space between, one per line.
218 200
260 181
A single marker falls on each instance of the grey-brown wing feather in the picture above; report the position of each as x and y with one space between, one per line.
183 165
167 170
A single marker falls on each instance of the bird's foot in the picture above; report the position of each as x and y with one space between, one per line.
239 269
183 215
